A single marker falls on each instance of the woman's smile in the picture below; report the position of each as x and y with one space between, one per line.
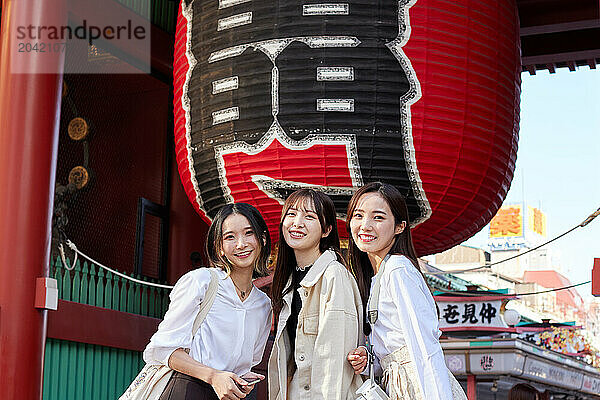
301 227
243 254
296 234
239 242
372 226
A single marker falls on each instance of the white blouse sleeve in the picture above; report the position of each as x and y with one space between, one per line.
175 330
419 322
259 346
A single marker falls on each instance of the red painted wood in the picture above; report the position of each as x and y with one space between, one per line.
471 387
100 326
478 329
161 43
29 115
546 12
103 220
473 298
596 277
187 231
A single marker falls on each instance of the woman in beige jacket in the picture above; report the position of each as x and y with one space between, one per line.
316 304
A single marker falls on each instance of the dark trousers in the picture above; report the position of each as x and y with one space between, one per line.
185 387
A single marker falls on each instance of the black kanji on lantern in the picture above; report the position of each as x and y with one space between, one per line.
469 314
327 70
488 311
450 314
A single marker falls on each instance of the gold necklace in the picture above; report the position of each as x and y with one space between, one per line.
242 292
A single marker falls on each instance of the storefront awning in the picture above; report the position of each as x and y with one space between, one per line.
519 359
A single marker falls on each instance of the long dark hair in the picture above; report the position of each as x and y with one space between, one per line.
403 244
286 259
214 239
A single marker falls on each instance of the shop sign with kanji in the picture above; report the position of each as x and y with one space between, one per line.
480 312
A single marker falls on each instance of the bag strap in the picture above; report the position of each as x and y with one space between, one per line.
207 302
372 315
373 302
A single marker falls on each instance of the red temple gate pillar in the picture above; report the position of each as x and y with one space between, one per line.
29 121
471 387
596 277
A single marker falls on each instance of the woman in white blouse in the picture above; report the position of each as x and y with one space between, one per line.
405 335
216 362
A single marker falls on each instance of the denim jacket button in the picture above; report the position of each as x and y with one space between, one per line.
301 357
306 387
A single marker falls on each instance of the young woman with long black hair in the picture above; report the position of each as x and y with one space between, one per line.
316 304
405 334
215 363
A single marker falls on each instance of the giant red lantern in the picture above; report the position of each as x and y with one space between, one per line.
271 96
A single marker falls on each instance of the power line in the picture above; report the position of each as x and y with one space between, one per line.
511 294
589 219
555 289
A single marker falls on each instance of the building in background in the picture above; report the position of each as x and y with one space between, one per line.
533 308
568 303
514 232
515 229
518 228
592 321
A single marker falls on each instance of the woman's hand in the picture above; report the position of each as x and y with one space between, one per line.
227 385
358 359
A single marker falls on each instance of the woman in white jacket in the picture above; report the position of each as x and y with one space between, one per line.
405 333
316 304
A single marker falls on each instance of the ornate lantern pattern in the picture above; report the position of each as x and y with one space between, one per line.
274 96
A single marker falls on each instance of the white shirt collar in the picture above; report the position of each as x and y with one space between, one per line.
318 268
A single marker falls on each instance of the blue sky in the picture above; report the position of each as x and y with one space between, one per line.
558 163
